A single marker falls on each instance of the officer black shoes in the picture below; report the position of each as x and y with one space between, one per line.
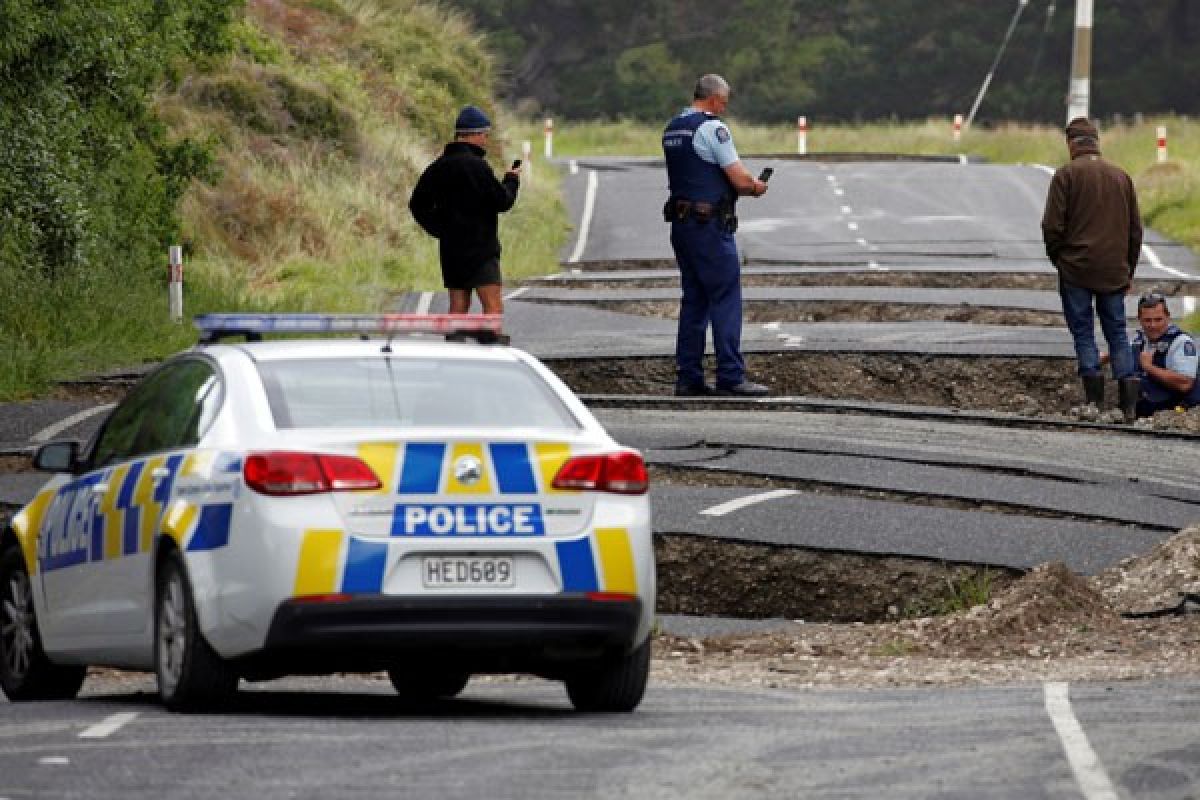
1093 390
697 390
743 389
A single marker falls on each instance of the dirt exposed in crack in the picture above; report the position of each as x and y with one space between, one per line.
1047 625
1024 385
696 475
703 576
896 278
762 311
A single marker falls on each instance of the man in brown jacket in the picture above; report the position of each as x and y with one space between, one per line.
1093 235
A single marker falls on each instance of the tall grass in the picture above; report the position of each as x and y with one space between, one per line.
1169 193
319 125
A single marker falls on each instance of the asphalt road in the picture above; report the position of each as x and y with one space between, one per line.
351 737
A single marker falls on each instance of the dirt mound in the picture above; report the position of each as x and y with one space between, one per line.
1174 420
1154 580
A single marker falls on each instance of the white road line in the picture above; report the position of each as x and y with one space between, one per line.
771 326
109 725
1156 262
861 241
516 293
1089 772
50 431
423 302
749 500
573 165
852 226
847 210
54 760
589 205
1043 168
962 159
874 265
839 192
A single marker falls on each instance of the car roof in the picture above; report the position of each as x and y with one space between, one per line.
401 347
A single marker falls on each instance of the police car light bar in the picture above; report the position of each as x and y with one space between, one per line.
214 327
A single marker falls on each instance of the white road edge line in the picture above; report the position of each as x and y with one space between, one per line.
50 431
589 205
516 293
109 725
749 500
1156 262
573 165
423 302
1089 772
1043 168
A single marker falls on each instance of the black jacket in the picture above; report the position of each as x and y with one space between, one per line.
457 200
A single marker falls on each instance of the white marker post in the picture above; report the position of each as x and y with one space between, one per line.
175 282
958 120
549 138
1162 144
526 149
802 135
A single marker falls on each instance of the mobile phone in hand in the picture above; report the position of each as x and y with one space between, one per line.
766 174
516 164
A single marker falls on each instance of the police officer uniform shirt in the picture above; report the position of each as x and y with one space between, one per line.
1181 355
712 141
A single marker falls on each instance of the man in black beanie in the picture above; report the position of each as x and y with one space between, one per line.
457 201
1093 235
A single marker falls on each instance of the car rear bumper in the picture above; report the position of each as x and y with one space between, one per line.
480 634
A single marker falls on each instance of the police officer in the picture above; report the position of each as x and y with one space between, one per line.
706 177
1166 359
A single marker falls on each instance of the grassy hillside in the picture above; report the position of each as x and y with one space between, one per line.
309 137
1169 193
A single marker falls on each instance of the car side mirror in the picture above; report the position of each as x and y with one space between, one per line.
57 457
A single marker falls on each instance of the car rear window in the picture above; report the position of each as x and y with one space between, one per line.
408 392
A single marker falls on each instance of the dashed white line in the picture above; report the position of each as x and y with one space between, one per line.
852 226
516 293
589 205
423 302
109 725
839 192
1089 772
50 431
962 159
573 166
54 760
771 326
874 265
846 209
861 241
1156 262
749 500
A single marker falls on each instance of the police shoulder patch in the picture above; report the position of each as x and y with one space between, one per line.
722 134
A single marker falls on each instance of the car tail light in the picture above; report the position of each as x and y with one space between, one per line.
284 473
620 473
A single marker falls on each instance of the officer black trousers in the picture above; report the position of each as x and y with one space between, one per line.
711 275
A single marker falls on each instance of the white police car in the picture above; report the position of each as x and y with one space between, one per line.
263 508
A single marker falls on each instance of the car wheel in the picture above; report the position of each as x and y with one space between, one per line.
26 673
428 685
191 676
611 684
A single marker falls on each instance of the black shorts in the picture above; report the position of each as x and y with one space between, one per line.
486 273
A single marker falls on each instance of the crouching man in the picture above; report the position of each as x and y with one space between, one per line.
1166 359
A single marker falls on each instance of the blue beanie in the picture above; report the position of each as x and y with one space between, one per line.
472 120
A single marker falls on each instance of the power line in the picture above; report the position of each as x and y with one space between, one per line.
987 81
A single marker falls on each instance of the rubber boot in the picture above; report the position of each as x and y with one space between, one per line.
1093 390
1128 390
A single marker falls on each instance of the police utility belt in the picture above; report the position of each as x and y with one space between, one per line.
677 209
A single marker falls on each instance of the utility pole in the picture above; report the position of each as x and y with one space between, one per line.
1081 62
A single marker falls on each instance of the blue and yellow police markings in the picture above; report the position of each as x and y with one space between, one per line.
504 467
600 562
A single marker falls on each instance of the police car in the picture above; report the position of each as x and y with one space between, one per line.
259 508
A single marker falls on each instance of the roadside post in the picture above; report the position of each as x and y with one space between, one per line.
958 120
802 135
526 149
175 282
549 130
1162 144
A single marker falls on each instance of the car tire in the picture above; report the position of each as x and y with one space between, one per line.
191 676
418 686
26 673
612 684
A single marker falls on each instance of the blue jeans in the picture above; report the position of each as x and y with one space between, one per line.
1077 308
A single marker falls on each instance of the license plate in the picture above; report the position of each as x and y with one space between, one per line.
439 572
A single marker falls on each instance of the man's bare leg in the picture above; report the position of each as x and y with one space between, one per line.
492 298
460 300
